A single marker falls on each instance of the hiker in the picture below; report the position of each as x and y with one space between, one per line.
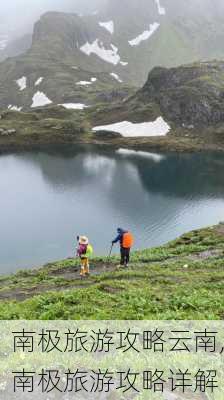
126 242
84 251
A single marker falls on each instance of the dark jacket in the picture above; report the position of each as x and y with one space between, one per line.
119 237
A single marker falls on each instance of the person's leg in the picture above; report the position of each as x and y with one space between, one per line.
82 272
86 270
122 256
127 256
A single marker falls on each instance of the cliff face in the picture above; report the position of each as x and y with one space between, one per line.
191 94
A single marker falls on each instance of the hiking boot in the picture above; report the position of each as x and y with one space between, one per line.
119 266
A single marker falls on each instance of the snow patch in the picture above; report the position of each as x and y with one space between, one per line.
38 81
22 83
14 108
83 83
86 83
73 106
144 35
109 55
115 76
152 156
128 129
109 26
161 10
40 99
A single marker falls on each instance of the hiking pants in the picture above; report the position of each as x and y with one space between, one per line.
125 255
84 266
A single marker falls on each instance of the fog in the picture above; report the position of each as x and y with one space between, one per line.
18 16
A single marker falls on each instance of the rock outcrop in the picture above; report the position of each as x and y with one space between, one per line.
191 95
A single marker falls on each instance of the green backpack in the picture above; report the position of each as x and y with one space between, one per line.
89 251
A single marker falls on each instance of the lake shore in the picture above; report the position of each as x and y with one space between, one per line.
56 126
181 280
170 143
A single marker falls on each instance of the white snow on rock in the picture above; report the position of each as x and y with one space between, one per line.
109 26
109 55
145 35
115 76
40 99
83 83
123 63
128 129
14 108
86 83
38 81
144 154
73 106
161 10
21 83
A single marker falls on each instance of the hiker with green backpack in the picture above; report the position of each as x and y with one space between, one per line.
84 251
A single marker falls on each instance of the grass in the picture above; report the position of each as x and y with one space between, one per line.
181 280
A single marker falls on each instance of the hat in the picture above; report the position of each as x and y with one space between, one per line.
83 240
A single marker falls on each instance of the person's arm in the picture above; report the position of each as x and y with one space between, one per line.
117 239
79 251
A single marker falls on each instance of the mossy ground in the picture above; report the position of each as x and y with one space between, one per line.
181 280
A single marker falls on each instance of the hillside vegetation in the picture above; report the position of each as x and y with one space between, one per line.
181 280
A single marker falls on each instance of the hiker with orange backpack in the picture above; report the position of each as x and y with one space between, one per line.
126 242
84 251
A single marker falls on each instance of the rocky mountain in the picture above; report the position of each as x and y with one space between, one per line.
190 96
86 59
15 47
179 109
55 70
16 25
130 37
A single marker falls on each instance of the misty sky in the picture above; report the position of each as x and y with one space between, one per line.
18 16
21 14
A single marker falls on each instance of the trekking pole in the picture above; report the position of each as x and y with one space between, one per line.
110 252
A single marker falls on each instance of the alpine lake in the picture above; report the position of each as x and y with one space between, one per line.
48 198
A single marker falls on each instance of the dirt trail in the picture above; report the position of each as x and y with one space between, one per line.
70 276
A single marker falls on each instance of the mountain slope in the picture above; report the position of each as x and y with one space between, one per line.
50 67
178 109
130 37
116 47
191 94
161 283
189 99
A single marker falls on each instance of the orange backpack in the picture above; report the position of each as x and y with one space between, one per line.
128 240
